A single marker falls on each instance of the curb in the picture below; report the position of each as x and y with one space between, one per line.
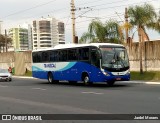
153 83
142 82
23 77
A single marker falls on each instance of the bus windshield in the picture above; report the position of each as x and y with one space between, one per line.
114 58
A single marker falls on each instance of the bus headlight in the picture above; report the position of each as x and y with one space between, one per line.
105 73
128 72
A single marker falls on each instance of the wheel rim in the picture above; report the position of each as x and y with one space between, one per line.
50 78
86 79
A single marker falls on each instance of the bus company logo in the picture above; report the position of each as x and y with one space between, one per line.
50 65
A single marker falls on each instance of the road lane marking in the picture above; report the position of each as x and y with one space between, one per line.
91 93
87 92
52 105
39 89
3 86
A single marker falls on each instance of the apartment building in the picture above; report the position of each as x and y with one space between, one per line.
47 32
19 38
30 38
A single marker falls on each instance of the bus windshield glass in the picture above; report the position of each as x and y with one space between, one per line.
114 58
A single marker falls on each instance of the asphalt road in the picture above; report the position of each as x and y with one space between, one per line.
33 96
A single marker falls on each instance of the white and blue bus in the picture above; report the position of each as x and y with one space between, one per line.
95 62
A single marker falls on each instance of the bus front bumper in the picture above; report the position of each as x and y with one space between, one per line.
118 78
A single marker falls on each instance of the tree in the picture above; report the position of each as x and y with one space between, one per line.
99 32
156 24
141 17
4 41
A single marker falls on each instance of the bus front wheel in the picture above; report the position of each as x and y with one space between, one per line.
86 79
50 77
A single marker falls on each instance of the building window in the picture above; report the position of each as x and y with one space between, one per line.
45 34
45 42
61 42
45 38
45 46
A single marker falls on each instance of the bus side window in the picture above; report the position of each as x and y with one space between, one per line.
60 53
34 57
45 56
64 55
51 56
39 57
54 56
72 54
83 54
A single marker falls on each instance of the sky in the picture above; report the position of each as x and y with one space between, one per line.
16 13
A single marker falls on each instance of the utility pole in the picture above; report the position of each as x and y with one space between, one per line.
128 40
126 24
6 39
73 21
0 27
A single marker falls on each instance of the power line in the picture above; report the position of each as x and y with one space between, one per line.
110 17
91 2
29 9
122 5
93 10
43 5
67 8
108 3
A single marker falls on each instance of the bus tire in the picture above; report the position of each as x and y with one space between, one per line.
50 78
110 83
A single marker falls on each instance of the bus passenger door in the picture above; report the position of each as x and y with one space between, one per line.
95 62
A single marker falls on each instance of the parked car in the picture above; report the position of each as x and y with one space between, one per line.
5 75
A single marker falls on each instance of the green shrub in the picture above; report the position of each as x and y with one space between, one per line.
149 75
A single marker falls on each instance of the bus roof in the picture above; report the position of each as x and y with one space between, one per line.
64 46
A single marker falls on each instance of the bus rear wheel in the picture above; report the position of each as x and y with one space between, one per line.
50 78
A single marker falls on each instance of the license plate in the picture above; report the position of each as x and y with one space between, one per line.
118 78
